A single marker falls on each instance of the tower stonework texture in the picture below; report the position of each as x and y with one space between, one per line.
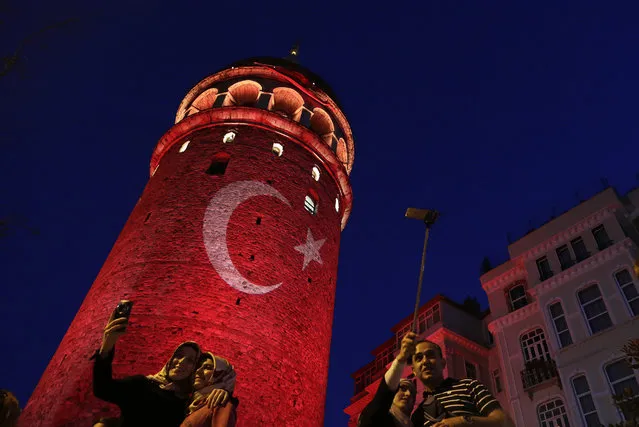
233 244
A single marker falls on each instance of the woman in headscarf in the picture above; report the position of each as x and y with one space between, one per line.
394 399
213 404
158 400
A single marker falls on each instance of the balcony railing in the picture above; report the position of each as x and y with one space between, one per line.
604 244
582 256
538 372
545 275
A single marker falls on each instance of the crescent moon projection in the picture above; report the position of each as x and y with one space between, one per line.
216 221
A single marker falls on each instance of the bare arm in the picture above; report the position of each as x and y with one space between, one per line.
394 373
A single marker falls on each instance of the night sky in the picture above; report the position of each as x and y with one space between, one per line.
497 114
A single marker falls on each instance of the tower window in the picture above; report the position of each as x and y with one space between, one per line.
310 204
184 146
218 164
263 101
219 101
336 204
228 137
277 149
315 173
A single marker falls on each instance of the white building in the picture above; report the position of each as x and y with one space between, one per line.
561 309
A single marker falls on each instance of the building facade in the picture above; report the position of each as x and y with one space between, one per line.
233 244
458 329
561 308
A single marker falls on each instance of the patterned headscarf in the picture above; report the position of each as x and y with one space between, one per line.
223 377
162 377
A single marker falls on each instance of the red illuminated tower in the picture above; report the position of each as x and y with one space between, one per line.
233 244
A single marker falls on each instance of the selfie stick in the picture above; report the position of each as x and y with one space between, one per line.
428 217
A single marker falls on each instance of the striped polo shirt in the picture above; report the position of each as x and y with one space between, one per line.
454 398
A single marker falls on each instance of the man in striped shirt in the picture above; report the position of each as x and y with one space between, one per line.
450 402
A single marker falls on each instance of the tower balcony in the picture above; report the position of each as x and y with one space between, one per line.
280 87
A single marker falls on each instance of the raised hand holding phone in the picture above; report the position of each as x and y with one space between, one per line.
115 327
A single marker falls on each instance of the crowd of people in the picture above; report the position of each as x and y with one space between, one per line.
195 389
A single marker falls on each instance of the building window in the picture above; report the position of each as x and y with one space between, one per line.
386 356
543 265
563 253
471 370
594 309
427 319
184 146
497 381
601 237
400 335
517 297
629 290
560 324
218 164
586 404
277 149
263 101
534 346
552 414
315 173
228 137
310 204
219 100
621 377
579 248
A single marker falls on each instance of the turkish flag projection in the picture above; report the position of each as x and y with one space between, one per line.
230 259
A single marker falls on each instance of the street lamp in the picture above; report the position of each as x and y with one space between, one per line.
428 217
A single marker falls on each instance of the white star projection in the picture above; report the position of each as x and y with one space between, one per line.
310 249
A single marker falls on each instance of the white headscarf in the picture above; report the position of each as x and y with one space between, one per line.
162 377
223 378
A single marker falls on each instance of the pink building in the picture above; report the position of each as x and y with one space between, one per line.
561 308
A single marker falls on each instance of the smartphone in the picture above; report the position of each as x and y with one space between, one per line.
123 309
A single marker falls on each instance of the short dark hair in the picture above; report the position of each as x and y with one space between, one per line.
423 340
9 406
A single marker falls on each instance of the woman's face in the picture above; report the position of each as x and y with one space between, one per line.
204 374
182 364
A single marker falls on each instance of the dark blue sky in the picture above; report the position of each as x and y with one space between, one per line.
493 112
